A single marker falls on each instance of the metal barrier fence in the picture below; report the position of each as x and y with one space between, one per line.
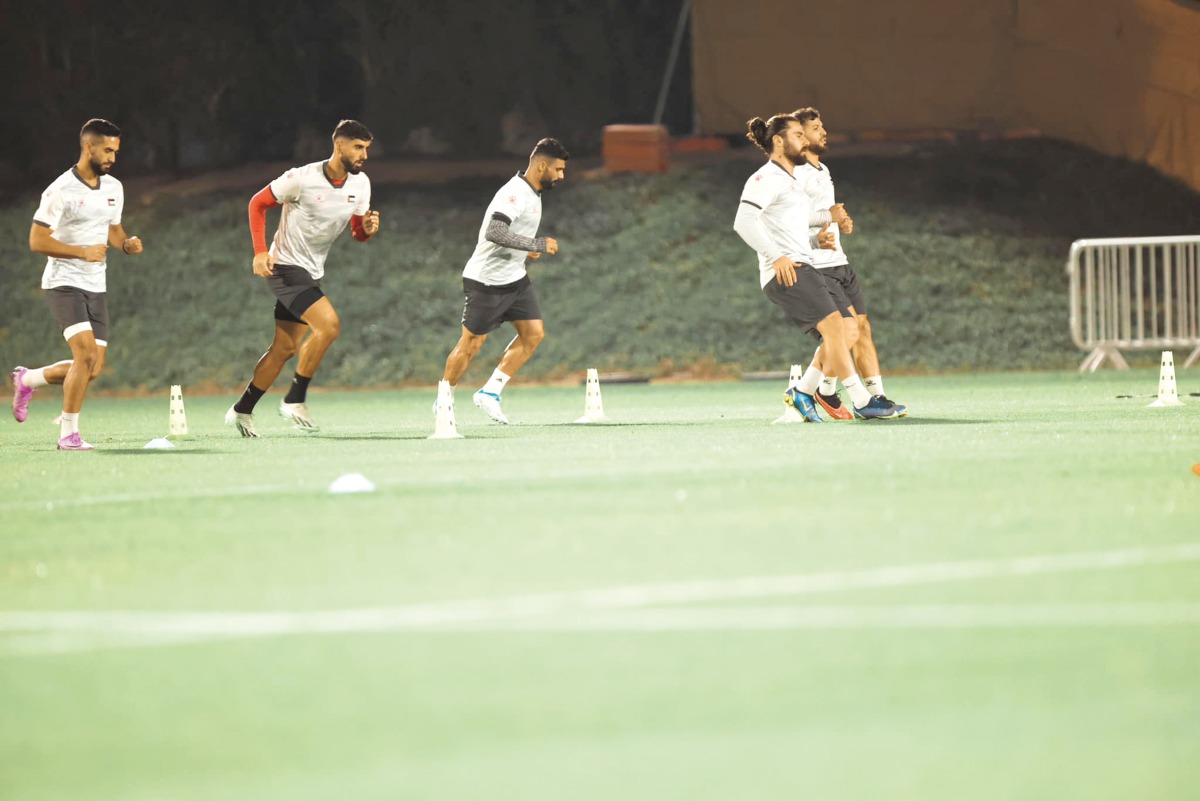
1135 293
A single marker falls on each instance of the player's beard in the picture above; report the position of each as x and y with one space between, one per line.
98 168
350 166
816 147
549 184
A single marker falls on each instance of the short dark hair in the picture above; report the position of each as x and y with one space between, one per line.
806 114
352 129
551 149
760 131
99 127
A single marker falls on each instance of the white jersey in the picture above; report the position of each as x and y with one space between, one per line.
786 208
315 212
521 205
819 183
79 214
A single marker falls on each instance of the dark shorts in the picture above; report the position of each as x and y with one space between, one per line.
487 307
295 291
843 285
72 307
806 302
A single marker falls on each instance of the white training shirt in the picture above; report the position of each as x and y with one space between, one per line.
521 205
785 207
315 212
819 183
79 214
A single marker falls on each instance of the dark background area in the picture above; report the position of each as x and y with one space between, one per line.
201 85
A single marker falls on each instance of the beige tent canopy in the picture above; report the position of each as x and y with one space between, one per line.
1121 76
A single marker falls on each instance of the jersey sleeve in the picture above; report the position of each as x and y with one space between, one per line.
49 211
760 191
118 205
508 205
286 188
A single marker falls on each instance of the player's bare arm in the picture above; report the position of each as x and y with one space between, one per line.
42 241
117 238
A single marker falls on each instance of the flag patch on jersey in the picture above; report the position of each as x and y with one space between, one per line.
112 201
349 198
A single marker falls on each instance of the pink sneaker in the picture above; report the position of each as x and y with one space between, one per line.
21 395
73 442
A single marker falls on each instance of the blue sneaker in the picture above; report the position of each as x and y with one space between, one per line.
900 410
879 408
803 403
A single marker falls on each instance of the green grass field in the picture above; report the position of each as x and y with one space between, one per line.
997 597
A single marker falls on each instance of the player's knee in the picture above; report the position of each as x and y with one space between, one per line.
470 345
852 331
329 330
533 338
864 328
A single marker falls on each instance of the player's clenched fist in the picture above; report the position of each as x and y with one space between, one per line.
264 264
551 245
371 223
132 245
94 253
826 239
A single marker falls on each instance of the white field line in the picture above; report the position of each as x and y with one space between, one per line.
167 627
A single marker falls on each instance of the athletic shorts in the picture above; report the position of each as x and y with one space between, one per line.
295 291
806 302
843 285
76 310
487 307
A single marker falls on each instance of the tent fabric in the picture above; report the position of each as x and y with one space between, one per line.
1121 76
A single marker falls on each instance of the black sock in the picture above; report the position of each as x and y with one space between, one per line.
245 404
299 390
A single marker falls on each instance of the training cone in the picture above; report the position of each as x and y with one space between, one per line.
177 424
351 482
593 405
159 444
790 415
1168 394
444 426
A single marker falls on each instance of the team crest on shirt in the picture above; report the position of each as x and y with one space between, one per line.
320 198
512 199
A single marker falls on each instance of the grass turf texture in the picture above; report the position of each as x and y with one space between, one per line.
690 482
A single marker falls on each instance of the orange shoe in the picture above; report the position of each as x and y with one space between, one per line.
834 407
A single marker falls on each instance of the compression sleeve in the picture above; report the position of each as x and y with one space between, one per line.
259 204
356 228
750 228
499 233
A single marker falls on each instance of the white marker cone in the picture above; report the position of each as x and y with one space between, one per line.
159 444
177 422
1168 393
790 415
351 482
593 405
444 425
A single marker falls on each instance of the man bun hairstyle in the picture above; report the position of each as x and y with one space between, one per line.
760 131
352 129
806 114
98 127
550 149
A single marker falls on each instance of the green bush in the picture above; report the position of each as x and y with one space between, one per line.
961 251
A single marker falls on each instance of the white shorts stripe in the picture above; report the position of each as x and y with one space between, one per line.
78 328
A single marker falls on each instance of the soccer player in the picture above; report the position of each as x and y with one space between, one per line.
835 268
495 282
318 200
78 220
773 219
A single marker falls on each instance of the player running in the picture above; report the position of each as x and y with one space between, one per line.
773 219
839 276
318 200
495 282
78 220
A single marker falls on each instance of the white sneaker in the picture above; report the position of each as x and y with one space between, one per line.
298 414
491 405
244 423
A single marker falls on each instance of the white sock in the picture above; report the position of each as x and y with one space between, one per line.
858 393
810 380
34 378
874 384
495 384
69 425
829 385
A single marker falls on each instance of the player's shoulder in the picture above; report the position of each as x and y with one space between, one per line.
64 181
111 183
769 174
